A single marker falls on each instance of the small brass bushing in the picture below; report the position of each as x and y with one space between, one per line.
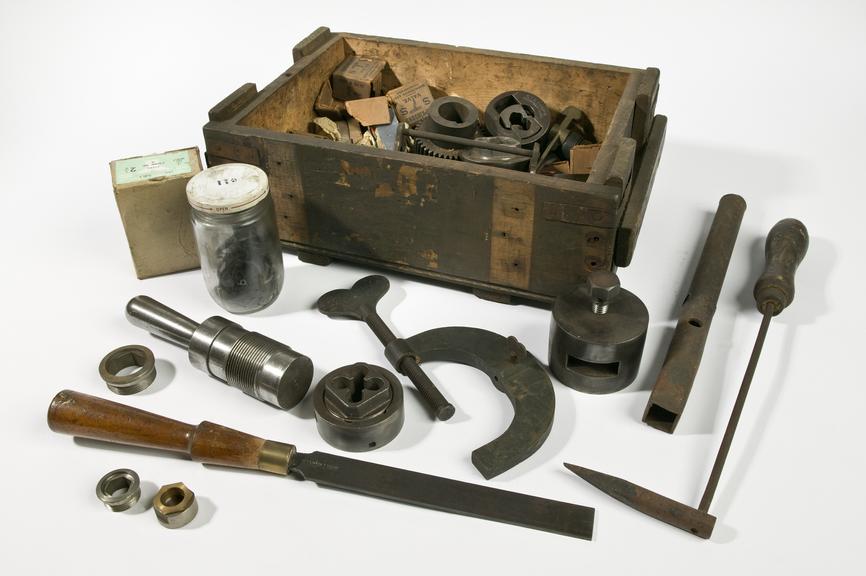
133 356
175 505
119 490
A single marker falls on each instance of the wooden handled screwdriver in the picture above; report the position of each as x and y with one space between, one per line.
786 245
90 417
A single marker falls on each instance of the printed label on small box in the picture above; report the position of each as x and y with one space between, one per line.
147 167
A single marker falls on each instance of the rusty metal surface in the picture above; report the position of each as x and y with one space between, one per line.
650 503
445 494
514 372
674 383
786 246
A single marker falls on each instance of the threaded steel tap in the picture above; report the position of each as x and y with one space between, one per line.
259 366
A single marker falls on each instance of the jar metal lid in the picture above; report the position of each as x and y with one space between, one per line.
227 188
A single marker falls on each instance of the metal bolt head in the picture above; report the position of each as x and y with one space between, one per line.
603 288
357 394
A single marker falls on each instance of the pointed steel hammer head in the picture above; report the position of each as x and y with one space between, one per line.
660 507
358 302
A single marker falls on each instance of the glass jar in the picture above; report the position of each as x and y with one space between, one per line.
235 228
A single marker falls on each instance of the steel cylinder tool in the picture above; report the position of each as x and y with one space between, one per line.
259 366
597 334
90 417
786 245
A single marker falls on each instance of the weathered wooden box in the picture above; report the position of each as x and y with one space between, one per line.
502 233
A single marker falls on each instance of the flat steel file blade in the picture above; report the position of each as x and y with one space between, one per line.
87 416
444 494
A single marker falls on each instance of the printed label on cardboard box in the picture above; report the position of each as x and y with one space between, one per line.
147 167
411 101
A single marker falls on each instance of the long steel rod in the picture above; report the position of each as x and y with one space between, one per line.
728 438
469 142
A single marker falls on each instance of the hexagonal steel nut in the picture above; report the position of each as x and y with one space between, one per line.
603 285
357 394
175 505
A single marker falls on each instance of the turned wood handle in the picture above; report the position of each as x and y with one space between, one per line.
786 246
87 416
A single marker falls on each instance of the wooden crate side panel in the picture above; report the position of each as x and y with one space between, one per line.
513 221
287 104
376 208
619 128
482 228
570 239
287 189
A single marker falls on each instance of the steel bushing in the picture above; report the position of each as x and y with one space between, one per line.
119 490
139 358
520 115
597 335
175 505
451 116
359 407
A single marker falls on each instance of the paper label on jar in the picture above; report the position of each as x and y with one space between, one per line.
156 166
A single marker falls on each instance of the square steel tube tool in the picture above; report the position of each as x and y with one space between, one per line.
674 383
91 417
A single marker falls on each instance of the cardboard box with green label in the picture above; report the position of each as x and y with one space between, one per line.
151 196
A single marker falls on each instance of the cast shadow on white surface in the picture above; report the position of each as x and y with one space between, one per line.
810 303
145 501
654 354
206 511
304 283
810 299
165 373
659 338
560 434
414 429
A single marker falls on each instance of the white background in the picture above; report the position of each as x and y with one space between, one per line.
764 99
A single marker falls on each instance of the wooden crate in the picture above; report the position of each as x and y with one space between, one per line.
502 233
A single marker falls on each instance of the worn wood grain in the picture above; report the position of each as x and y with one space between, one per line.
511 233
233 103
632 220
619 127
311 43
435 218
645 106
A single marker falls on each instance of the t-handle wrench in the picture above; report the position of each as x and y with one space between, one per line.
359 303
